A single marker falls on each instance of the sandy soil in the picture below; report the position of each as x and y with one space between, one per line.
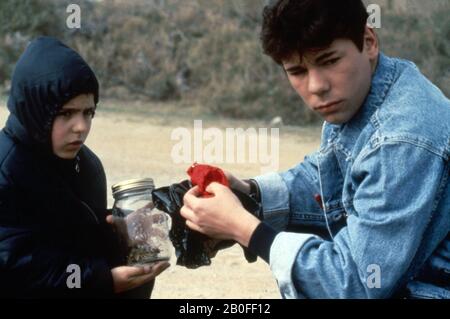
138 144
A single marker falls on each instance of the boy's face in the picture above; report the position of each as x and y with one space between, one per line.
335 81
72 125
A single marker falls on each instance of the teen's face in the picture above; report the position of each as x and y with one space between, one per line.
72 125
335 81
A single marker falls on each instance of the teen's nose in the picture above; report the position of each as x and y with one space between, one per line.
81 124
318 84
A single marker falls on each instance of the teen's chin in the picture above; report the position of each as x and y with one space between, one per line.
68 152
336 118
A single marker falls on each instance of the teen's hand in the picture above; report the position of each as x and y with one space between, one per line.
127 277
120 228
220 216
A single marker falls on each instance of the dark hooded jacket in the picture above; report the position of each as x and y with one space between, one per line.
52 211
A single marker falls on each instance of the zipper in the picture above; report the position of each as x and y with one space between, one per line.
77 164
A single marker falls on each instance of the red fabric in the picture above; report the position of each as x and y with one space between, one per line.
202 175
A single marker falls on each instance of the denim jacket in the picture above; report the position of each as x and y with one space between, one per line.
380 226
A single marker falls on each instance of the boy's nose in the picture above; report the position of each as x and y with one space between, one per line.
317 83
81 125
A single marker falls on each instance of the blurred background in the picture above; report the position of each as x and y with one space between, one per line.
206 52
164 63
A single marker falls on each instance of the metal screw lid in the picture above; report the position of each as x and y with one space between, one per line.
132 184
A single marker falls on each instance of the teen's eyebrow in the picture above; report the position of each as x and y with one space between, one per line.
325 56
295 68
77 110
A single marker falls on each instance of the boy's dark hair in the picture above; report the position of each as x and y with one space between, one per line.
296 26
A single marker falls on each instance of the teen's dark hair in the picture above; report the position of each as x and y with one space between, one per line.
296 26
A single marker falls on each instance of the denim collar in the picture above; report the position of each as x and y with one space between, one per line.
382 81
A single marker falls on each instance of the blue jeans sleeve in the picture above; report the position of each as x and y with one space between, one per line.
396 186
289 193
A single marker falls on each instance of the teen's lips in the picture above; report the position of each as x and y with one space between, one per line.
328 107
75 144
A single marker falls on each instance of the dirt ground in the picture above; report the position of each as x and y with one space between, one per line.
137 144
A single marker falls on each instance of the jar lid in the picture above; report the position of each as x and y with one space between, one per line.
132 184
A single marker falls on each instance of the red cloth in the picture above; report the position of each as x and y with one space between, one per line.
202 175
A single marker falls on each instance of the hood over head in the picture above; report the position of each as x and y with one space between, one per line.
47 75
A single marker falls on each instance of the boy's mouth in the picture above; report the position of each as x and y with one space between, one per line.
76 143
328 107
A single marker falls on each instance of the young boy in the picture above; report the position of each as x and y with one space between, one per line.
53 187
368 214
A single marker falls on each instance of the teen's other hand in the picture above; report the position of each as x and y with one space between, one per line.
120 228
237 183
130 277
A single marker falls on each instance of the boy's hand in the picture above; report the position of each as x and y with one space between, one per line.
127 277
221 216
120 228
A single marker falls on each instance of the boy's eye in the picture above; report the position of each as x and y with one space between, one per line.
66 114
331 62
90 113
298 72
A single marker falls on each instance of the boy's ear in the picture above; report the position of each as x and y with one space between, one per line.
371 45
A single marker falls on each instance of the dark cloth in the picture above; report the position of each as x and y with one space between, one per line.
52 211
192 248
261 241
52 217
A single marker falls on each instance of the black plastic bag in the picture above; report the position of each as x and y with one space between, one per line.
192 248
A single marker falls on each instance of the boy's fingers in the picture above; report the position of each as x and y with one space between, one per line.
152 272
193 226
194 191
214 187
187 213
160 267
191 197
145 270
135 271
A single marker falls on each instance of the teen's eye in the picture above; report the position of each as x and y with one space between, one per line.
331 62
65 114
90 113
297 72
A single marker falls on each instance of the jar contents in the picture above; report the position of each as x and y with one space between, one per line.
143 229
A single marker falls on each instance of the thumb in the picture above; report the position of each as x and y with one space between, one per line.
194 191
214 187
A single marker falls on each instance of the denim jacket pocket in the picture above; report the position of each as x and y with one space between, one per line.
420 290
330 178
330 186
315 223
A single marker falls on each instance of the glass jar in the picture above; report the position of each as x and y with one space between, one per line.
143 230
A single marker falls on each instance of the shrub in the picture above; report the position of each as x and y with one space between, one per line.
206 52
